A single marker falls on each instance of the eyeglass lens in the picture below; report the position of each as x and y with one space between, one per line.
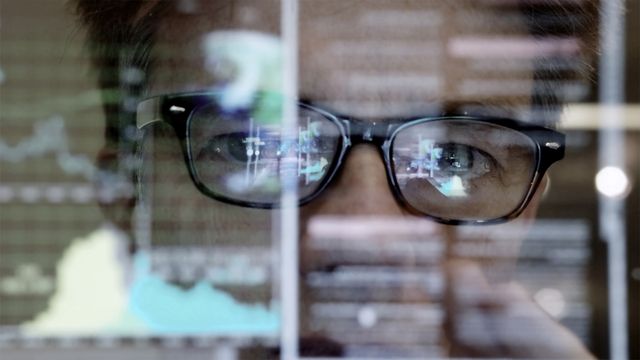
241 157
463 169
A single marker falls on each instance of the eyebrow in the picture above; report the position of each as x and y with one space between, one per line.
503 109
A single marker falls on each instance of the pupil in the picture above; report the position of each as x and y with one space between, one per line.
457 157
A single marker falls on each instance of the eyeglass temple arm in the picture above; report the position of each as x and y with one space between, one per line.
149 111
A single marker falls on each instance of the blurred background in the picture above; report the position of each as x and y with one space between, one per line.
582 254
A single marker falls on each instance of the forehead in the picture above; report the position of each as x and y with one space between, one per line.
365 58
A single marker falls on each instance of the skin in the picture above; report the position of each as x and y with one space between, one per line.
328 75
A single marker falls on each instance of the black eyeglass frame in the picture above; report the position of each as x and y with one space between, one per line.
177 109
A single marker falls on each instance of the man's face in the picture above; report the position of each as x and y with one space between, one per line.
373 60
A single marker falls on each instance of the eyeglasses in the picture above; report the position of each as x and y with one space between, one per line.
454 169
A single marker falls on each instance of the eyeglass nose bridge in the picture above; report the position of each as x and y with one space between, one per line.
366 132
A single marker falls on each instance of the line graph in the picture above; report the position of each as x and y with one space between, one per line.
49 137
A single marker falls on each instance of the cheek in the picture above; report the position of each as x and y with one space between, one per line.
495 248
495 243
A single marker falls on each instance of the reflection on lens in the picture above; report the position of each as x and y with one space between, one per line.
463 169
243 159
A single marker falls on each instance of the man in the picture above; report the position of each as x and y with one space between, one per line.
410 111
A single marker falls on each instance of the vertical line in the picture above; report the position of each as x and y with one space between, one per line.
249 146
421 156
289 217
142 211
308 157
611 151
432 161
256 152
298 152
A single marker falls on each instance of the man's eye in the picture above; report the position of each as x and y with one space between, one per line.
454 169
446 160
462 160
230 147
240 147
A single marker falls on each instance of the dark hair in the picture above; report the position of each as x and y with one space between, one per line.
120 39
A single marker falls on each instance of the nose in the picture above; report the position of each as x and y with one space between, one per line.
355 239
360 195
360 189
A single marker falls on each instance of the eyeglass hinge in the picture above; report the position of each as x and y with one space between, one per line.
552 145
177 109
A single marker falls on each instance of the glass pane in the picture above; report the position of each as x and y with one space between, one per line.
109 251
